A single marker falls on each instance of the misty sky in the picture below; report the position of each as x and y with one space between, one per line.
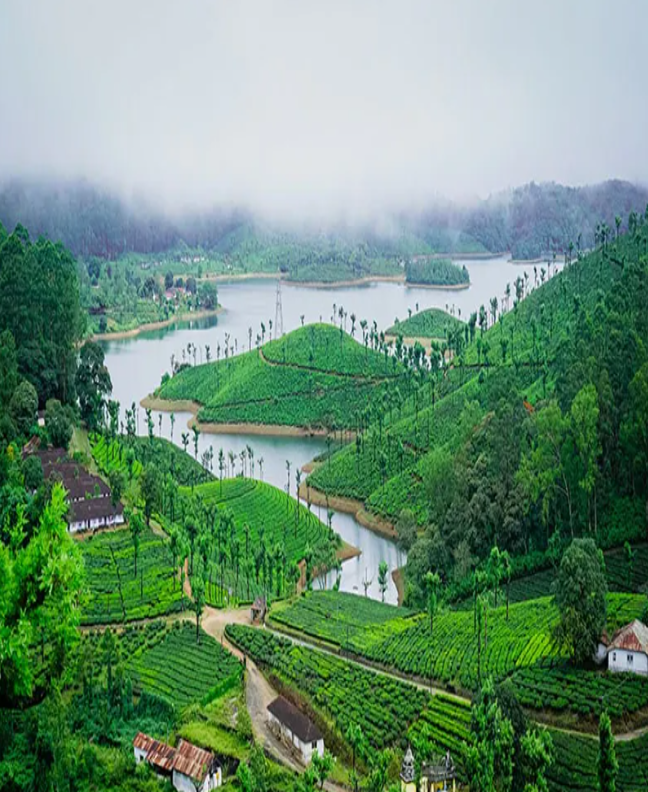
318 105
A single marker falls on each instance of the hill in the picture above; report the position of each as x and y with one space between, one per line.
436 272
566 355
433 323
314 378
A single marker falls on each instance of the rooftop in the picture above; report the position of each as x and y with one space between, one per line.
633 637
187 759
301 726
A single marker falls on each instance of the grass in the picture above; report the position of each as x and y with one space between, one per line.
114 593
315 377
430 323
181 670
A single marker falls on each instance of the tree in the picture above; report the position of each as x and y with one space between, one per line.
117 482
536 756
8 367
383 571
151 490
607 765
407 529
584 416
322 767
23 407
58 424
488 757
432 583
136 526
41 580
580 596
355 738
93 384
198 595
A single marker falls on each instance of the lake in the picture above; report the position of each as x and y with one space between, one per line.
137 364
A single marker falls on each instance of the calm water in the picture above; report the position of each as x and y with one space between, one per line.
136 366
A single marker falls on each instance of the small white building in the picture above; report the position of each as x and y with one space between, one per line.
628 649
295 728
189 768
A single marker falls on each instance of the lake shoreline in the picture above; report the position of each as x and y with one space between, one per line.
349 506
120 335
151 402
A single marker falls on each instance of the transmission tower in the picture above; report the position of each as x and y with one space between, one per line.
278 311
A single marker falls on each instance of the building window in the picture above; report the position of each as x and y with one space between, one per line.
630 659
614 657
314 745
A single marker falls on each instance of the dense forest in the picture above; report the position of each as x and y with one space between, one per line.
531 221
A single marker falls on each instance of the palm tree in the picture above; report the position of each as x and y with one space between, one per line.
231 456
261 467
172 424
185 441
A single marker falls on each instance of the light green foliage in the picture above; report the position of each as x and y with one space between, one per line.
271 533
181 670
40 583
488 758
430 323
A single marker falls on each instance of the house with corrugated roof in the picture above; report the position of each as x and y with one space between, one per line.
295 728
188 767
628 649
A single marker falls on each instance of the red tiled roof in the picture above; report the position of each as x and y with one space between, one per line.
633 637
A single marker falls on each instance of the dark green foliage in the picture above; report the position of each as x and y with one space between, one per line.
580 598
93 385
436 272
39 305
59 423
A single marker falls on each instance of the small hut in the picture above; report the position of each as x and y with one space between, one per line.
438 775
259 610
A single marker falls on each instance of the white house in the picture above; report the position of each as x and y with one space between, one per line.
295 728
189 768
628 649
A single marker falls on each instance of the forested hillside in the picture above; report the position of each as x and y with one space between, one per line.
534 220
540 434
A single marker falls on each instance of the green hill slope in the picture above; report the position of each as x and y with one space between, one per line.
536 426
315 377
430 323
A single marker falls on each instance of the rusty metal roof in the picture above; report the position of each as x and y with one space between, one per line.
193 761
633 637
187 759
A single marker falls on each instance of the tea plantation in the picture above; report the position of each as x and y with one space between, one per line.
449 654
430 323
114 593
176 667
314 377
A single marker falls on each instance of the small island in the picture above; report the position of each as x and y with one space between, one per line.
436 272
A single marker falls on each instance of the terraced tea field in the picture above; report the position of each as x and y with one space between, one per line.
448 655
313 377
180 670
114 593
258 509
430 323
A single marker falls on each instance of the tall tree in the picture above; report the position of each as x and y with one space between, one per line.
607 765
93 384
